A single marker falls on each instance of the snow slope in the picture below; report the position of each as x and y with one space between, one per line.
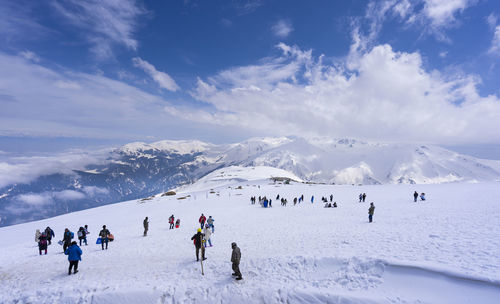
444 250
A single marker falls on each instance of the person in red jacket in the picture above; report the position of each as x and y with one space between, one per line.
202 221
171 220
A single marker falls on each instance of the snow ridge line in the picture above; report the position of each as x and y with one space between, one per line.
443 272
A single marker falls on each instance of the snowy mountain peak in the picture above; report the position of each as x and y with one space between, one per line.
173 146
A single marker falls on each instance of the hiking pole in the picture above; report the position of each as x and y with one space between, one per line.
201 261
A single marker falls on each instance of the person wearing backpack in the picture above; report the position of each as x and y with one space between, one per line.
202 220
104 234
67 236
50 234
171 221
198 243
74 254
42 243
82 236
208 235
210 223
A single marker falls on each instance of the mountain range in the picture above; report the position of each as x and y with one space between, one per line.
139 170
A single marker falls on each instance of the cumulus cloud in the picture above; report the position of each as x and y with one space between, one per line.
104 22
161 78
376 94
282 28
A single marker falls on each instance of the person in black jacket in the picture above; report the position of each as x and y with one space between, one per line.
415 196
198 242
66 239
104 234
50 234
82 236
145 223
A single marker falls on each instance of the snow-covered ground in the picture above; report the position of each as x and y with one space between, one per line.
444 250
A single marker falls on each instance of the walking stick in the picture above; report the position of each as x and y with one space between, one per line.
201 261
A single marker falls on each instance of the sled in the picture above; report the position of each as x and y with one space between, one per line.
60 242
177 226
111 237
98 241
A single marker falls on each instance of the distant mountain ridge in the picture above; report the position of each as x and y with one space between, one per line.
138 170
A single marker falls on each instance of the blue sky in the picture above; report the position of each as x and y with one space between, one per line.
76 73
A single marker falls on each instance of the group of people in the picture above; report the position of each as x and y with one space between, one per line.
266 203
362 197
202 237
44 239
415 196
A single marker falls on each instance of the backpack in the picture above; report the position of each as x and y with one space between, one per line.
72 234
80 234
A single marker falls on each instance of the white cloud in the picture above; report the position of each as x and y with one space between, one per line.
26 169
381 95
492 20
35 200
94 191
103 22
432 17
161 78
442 13
282 28
68 195
30 56
495 43
63 103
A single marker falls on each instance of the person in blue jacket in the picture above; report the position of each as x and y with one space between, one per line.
74 254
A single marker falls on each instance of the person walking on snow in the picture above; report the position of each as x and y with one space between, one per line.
171 220
364 197
210 223
74 254
312 199
202 221
371 210
42 243
67 239
235 259
415 196
145 223
198 241
82 236
50 234
208 235
104 234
